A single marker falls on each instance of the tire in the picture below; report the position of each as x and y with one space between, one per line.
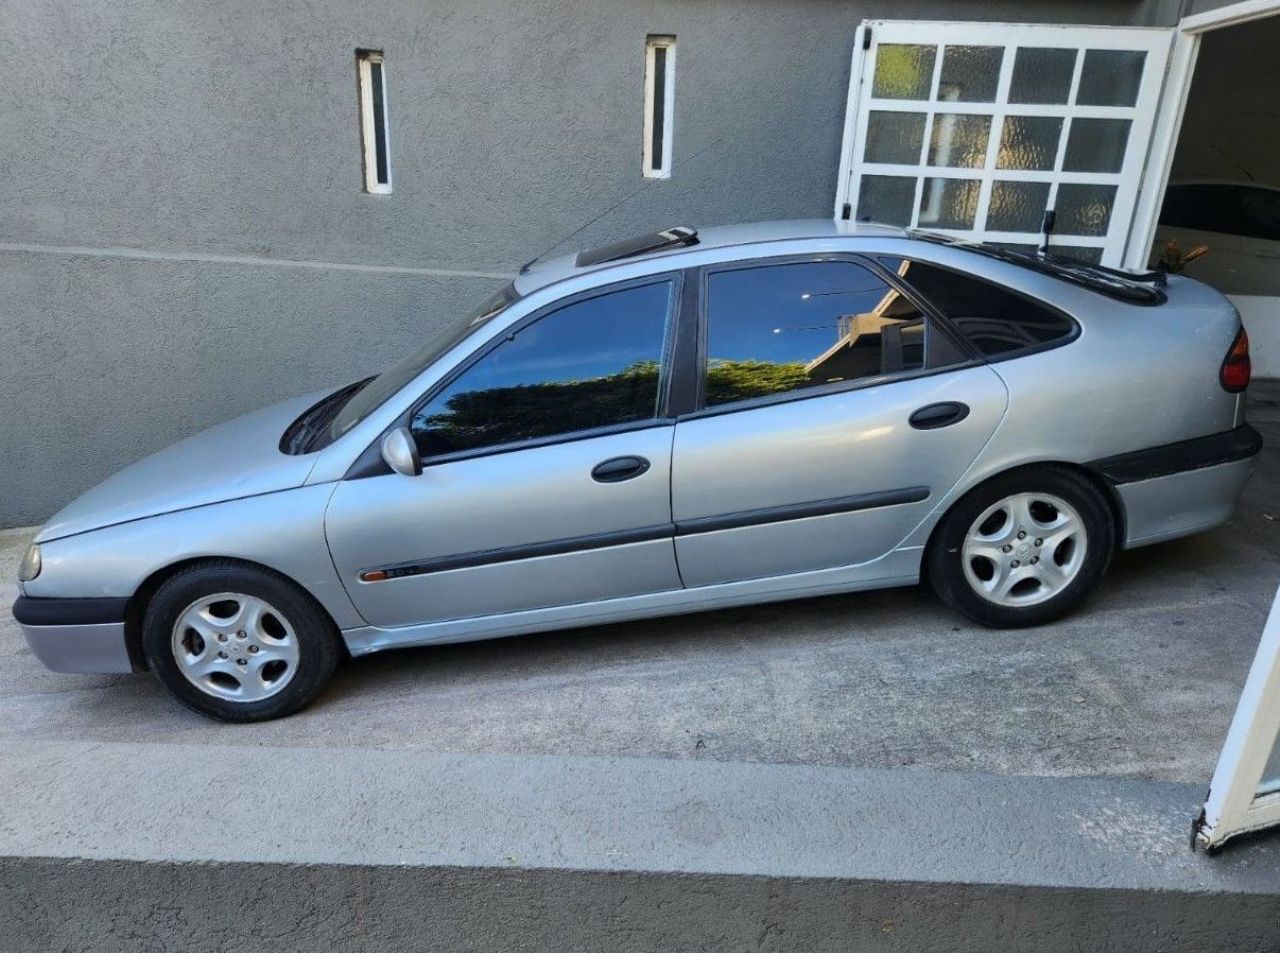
238 643
979 565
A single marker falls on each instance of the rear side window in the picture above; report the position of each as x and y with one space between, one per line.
995 320
594 363
773 329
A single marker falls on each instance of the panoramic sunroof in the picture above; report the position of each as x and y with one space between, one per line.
640 245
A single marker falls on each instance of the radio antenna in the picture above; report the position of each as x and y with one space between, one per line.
616 205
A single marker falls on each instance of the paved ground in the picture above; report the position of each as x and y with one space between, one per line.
1141 683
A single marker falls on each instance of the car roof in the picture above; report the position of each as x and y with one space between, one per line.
541 273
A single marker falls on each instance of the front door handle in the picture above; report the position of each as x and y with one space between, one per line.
933 416
617 469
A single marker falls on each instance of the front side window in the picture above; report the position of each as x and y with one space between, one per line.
374 393
779 328
993 319
594 363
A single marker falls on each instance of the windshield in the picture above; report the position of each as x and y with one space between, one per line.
369 398
1133 287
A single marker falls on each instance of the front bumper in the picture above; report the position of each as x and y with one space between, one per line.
76 635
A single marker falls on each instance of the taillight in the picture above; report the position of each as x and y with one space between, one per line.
1236 366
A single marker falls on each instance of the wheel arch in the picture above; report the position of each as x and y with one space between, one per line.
1096 479
136 609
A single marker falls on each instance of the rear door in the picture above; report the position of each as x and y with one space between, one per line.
832 415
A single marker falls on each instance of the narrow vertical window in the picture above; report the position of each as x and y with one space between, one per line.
659 102
373 121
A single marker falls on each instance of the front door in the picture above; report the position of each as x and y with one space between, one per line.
546 474
835 416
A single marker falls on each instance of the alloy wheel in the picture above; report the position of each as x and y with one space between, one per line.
1024 549
235 646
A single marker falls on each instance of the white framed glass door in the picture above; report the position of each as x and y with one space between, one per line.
1244 795
977 129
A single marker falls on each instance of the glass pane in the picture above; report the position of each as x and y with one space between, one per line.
1110 77
379 123
970 74
656 155
993 319
894 137
1096 145
372 396
886 199
1017 206
1029 142
785 327
1270 782
903 71
1042 75
590 364
948 203
1083 209
959 140
1092 256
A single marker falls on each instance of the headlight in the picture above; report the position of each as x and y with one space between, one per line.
29 568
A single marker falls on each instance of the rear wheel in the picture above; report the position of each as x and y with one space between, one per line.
238 643
1023 549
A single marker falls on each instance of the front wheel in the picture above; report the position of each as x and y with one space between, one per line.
1023 549
238 643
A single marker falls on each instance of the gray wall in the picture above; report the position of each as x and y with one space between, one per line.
177 179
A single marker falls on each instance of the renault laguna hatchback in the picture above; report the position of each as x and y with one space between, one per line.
678 422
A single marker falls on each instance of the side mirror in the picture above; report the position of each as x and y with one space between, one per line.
401 452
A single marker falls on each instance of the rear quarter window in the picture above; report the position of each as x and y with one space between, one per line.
993 319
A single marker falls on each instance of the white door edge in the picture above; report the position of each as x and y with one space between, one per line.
1234 805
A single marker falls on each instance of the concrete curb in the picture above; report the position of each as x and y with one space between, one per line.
121 847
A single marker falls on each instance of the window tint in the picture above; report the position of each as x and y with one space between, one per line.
993 319
590 364
779 328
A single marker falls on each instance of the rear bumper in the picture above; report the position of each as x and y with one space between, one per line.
1231 446
76 635
1182 488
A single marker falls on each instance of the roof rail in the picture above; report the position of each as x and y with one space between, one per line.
675 237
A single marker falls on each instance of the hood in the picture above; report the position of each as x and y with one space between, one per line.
232 460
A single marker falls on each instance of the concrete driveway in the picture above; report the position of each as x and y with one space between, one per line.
1140 683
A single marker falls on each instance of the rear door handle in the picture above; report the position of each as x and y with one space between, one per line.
933 416
617 469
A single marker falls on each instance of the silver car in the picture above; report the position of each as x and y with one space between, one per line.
679 422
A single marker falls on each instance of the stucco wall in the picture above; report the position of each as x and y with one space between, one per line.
212 150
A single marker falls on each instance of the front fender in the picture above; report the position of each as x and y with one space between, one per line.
283 531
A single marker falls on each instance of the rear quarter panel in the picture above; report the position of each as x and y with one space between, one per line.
1136 377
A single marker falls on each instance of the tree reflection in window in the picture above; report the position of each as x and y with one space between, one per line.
779 328
591 364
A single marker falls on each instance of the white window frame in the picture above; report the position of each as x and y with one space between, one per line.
1234 805
659 167
368 120
1155 42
